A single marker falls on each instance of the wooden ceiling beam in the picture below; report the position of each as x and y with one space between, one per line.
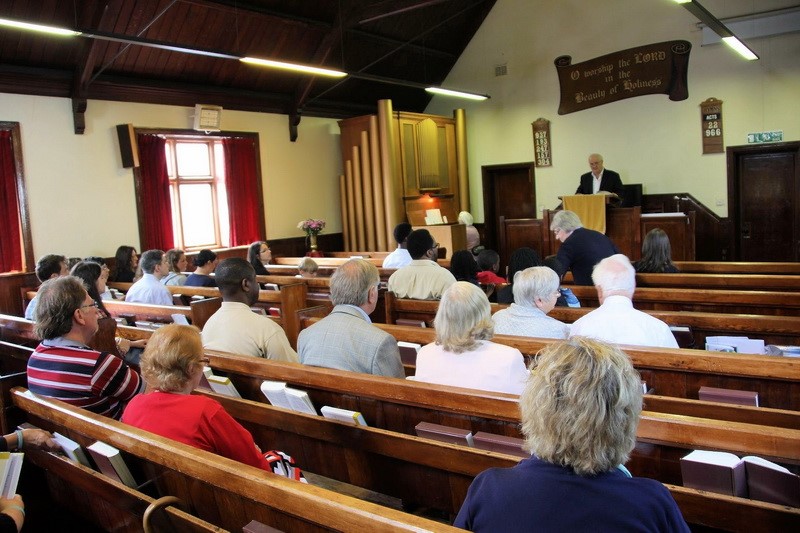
103 18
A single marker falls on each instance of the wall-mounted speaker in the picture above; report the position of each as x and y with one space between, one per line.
128 149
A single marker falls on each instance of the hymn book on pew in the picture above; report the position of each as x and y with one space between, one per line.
110 462
445 434
10 466
280 395
353 418
734 396
727 343
408 352
750 476
71 449
223 385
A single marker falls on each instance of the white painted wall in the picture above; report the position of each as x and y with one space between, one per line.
82 201
650 139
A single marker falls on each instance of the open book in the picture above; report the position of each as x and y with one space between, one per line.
110 462
280 395
10 466
749 476
343 415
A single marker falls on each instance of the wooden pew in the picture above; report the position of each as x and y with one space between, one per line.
220 490
704 300
738 267
437 474
773 329
746 282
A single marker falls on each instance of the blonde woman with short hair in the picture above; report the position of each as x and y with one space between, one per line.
579 413
463 354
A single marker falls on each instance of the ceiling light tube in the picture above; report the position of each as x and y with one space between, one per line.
457 94
293 67
52 30
740 47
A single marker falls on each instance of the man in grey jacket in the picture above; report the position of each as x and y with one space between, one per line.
346 338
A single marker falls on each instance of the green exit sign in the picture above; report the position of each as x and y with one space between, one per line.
765 137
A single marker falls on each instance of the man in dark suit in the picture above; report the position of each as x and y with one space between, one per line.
599 179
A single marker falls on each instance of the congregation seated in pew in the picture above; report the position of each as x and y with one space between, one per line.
423 278
307 268
616 320
63 366
656 254
535 295
177 265
346 338
463 355
579 411
400 256
48 267
520 259
149 289
126 260
234 327
172 365
205 263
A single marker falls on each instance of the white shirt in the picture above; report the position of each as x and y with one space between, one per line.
149 290
399 258
618 322
490 366
236 329
596 182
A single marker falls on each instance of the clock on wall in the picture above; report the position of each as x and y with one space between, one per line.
207 117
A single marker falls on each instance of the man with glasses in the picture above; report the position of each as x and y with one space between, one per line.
149 289
535 295
346 338
63 366
423 278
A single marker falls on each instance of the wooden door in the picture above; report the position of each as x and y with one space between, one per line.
763 184
508 191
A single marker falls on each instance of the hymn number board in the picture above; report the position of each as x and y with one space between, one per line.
541 143
711 116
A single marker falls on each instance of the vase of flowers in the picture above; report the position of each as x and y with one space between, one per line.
312 228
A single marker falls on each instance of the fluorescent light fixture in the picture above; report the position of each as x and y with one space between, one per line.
740 47
457 94
704 16
682 1
293 67
52 30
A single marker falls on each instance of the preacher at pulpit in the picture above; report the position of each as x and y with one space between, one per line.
599 179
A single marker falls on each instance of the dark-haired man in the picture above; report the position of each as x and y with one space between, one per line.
48 267
423 278
149 289
235 328
206 263
400 257
63 366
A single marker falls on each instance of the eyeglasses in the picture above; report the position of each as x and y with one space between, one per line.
435 246
93 304
204 360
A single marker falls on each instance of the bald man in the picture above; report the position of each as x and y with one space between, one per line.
599 179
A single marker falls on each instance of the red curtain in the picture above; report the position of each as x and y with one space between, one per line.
154 193
241 183
10 240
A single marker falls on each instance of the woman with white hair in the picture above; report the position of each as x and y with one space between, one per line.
535 295
462 355
579 413
581 248
473 237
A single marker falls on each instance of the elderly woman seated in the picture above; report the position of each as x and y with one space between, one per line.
579 412
462 354
535 295
172 365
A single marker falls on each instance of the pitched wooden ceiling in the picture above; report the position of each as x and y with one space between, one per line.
416 41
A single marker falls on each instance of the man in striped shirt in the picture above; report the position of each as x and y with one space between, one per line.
63 366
